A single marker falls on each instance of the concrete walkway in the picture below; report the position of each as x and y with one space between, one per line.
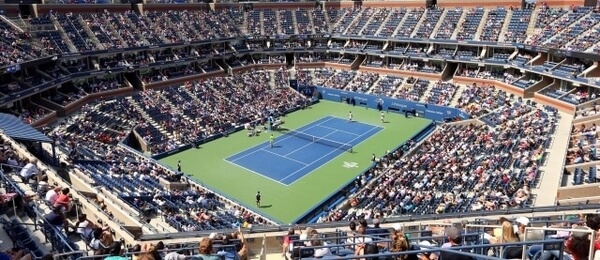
553 169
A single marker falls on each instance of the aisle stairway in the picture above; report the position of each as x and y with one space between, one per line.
553 170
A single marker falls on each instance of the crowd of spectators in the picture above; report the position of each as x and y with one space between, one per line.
480 99
432 241
171 108
113 30
501 164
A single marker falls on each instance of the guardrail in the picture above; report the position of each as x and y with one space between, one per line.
402 219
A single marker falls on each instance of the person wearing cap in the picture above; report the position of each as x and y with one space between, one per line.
455 240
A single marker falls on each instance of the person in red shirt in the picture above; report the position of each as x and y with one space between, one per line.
64 200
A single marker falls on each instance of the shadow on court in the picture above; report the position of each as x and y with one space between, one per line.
265 206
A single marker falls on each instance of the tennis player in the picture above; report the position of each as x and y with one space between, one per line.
258 199
350 116
382 117
272 140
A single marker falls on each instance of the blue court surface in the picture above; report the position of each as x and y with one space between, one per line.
293 157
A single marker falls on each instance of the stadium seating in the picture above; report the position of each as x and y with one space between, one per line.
167 118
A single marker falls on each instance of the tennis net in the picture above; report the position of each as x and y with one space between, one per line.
320 140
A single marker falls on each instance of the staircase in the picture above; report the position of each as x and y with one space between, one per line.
63 35
426 93
592 29
439 24
147 117
244 27
13 24
404 85
311 22
355 20
369 21
503 31
326 16
295 22
461 21
89 33
384 22
272 80
419 24
278 21
457 95
375 84
482 24
167 101
167 20
531 30
262 23
113 32
401 24
566 28
553 170
135 30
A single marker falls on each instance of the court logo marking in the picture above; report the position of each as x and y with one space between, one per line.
350 165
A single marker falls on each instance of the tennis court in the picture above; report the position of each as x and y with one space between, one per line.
298 152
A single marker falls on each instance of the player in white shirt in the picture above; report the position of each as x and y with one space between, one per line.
382 117
350 116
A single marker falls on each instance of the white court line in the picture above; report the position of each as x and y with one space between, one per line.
261 146
257 173
345 119
340 131
284 157
373 128
304 146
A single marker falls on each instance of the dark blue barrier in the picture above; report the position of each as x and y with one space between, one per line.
429 111
317 210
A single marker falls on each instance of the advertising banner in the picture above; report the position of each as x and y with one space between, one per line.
429 111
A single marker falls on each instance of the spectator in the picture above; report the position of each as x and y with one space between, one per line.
206 250
577 247
64 200
509 236
102 242
57 218
52 195
287 241
455 240
399 244
16 254
29 171
85 227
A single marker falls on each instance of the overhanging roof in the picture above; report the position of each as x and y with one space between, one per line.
15 128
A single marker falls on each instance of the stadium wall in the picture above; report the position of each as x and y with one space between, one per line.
429 111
